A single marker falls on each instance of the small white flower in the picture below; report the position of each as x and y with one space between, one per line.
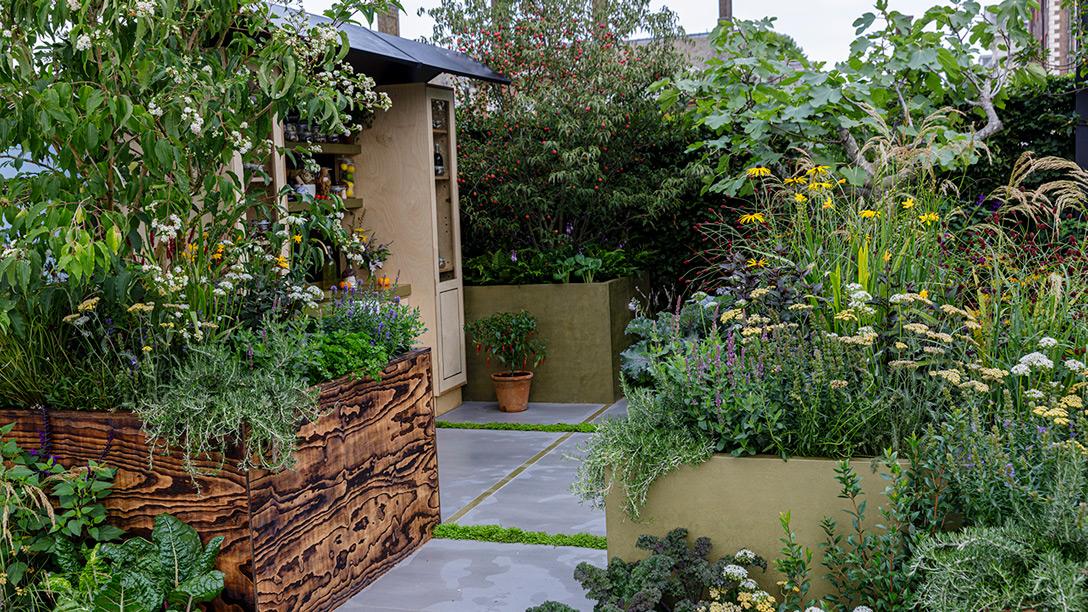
1034 394
83 42
1047 342
1073 364
734 572
1037 360
74 5
145 8
1020 370
863 609
814 609
748 584
745 556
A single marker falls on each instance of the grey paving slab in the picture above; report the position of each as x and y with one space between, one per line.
471 461
615 411
463 576
539 498
537 414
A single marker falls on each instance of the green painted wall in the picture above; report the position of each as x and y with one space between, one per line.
736 501
583 325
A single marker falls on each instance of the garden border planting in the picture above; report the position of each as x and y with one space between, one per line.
363 495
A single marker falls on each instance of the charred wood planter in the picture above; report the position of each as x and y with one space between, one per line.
363 495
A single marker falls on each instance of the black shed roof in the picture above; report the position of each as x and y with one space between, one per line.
391 59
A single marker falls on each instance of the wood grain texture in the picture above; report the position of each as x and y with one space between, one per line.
363 495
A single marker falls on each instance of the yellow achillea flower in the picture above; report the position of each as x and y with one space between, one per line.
729 315
799 198
868 214
846 315
908 204
752 218
828 205
88 305
758 171
757 263
929 217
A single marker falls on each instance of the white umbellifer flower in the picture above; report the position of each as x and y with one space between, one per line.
863 609
1020 370
814 609
748 584
734 572
1074 365
745 556
1034 394
145 8
83 42
1037 360
74 5
1047 342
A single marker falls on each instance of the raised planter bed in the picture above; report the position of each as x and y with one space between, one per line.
736 502
363 495
583 326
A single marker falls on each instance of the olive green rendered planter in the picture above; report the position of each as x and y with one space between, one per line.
736 502
582 324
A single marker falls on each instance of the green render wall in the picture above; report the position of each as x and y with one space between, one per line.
582 324
736 502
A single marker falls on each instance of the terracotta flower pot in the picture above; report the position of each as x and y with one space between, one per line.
512 390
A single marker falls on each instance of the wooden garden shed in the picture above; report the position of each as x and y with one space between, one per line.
405 182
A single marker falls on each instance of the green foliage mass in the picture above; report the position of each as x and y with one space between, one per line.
61 554
761 96
573 154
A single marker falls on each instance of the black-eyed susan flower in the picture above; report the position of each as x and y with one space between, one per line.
752 218
758 171
868 213
929 217
908 204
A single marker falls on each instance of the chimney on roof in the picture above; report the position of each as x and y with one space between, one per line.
725 10
389 22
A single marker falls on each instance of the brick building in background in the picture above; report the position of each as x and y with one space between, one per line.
1054 24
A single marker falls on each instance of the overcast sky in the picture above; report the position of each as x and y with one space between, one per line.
821 27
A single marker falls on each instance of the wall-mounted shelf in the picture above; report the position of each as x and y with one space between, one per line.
328 148
441 177
440 132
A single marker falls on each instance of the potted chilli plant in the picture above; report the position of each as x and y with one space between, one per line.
511 339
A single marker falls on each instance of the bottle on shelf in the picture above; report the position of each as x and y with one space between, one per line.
439 163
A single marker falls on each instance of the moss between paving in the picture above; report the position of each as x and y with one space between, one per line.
513 535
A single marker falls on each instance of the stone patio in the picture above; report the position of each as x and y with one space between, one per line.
509 478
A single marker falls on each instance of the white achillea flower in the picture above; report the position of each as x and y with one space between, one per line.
83 43
1037 360
863 609
1073 364
74 5
1047 342
1020 370
734 572
145 8
745 556
1034 394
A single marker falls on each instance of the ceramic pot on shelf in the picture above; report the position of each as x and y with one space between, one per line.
512 390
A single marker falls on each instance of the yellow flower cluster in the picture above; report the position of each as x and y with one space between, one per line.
141 308
88 305
759 601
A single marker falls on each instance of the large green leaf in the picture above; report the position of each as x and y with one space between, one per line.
179 548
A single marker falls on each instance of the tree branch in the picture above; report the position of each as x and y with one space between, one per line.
853 151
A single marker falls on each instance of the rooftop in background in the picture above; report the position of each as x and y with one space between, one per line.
391 59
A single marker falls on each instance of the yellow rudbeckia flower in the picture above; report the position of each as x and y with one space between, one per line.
752 218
